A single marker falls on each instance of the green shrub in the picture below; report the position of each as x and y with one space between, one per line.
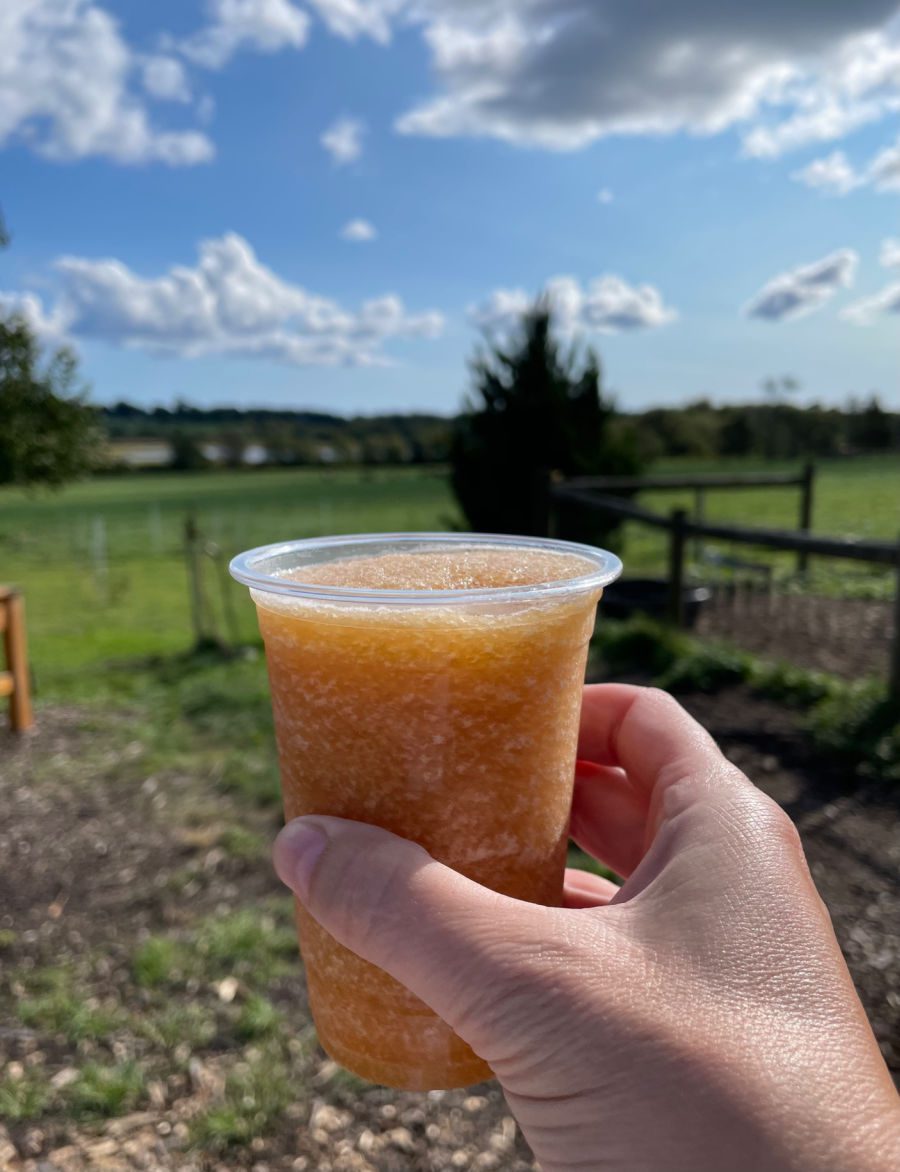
793 685
704 669
640 644
855 722
860 725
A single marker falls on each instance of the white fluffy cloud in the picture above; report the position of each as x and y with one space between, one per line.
50 328
356 18
231 303
228 303
833 175
563 73
553 73
607 305
165 78
805 289
856 81
343 140
884 170
836 176
264 26
867 311
269 25
889 256
358 231
69 87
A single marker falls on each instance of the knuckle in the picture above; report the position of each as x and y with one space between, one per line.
359 893
773 822
516 1019
771 832
526 972
660 696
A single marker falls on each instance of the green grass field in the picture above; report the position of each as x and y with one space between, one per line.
103 567
103 564
852 498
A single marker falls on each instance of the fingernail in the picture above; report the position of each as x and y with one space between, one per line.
297 850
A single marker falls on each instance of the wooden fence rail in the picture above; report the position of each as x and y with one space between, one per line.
680 527
883 553
697 480
699 483
14 681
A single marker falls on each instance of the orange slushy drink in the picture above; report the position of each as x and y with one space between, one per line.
429 684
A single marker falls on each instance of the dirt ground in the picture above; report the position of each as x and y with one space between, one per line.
86 873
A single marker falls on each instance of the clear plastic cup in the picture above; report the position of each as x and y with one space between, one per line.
446 715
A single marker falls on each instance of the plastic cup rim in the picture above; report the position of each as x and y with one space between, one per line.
245 568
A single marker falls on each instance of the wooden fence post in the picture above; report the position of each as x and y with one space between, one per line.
194 569
806 511
677 543
894 669
20 713
100 558
699 518
225 584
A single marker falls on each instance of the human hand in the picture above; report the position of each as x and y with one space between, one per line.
700 1018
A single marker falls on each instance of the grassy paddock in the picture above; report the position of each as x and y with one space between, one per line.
857 497
102 562
104 572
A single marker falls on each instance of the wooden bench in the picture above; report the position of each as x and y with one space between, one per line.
14 681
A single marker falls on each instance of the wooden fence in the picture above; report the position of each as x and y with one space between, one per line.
213 627
593 494
699 484
14 681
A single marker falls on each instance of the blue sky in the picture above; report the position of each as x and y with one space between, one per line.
750 165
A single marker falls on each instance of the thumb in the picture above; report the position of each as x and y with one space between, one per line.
458 946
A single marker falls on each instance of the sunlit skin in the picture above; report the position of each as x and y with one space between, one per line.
453 725
699 1019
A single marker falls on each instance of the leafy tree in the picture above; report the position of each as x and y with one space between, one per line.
535 410
187 455
233 444
872 428
48 434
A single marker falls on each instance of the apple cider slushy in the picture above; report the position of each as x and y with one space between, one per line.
429 684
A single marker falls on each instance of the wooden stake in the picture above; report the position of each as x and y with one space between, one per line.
21 716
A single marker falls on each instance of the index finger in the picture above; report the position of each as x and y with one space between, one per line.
647 733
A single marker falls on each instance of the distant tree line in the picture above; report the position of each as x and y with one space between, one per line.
288 437
767 430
